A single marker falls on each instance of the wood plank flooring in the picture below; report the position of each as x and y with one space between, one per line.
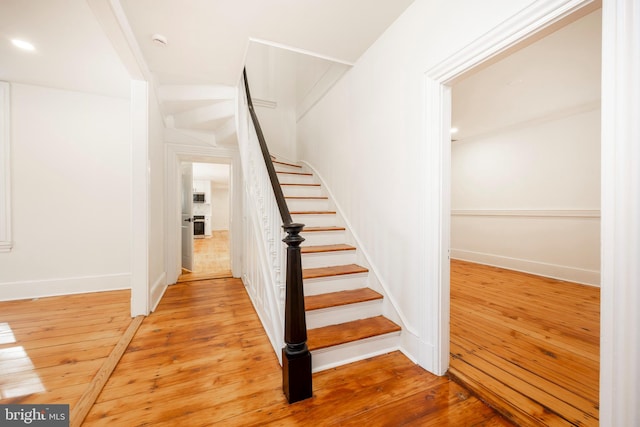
202 359
51 348
211 258
528 345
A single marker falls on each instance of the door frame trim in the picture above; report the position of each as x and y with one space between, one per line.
620 203
140 195
174 155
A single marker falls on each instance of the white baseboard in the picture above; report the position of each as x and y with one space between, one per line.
30 289
157 291
560 272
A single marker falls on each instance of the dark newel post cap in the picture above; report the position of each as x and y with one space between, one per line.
293 237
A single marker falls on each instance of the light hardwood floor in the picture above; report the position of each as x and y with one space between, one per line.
529 345
202 359
51 348
211 258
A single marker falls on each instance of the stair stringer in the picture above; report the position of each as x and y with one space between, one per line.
389 306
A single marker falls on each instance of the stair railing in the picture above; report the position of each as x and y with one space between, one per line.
296 358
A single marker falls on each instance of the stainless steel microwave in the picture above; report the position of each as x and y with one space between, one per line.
198 198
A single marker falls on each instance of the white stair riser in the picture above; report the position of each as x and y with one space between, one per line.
287 178
286 168
345 282
328 259
317 238
313 220
308 204
343 313
302 190
330 357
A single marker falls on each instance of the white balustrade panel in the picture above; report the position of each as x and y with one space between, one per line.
263 270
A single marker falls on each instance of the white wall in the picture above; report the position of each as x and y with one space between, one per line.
271 75
157 269
526 164
71 208
366 138
219 207
529 198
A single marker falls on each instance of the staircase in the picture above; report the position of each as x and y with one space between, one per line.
344 316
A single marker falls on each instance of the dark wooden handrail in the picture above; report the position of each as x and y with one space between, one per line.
296 358
271 170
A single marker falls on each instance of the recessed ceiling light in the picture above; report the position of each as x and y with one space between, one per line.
159 39
454 130
23 44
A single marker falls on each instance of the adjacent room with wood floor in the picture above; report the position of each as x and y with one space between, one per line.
525 229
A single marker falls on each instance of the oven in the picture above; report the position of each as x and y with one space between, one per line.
198 226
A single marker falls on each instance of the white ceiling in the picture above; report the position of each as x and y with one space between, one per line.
94 46
207 39
218 173
554 74
72 51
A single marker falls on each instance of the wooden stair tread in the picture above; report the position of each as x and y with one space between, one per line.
342 333
287 164
326 248
313 213
336 270
295 173
340 298
317 229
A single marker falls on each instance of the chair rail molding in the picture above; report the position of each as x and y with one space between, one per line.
529 213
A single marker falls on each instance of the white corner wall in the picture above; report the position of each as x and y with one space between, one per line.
366 137
529 198
71 195
156 243
220 198
270 73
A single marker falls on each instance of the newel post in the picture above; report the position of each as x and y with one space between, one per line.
296 358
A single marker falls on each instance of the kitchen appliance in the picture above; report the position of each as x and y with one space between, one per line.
198 226
198 198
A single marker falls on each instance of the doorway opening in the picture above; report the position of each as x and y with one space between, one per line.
208 189
525 227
